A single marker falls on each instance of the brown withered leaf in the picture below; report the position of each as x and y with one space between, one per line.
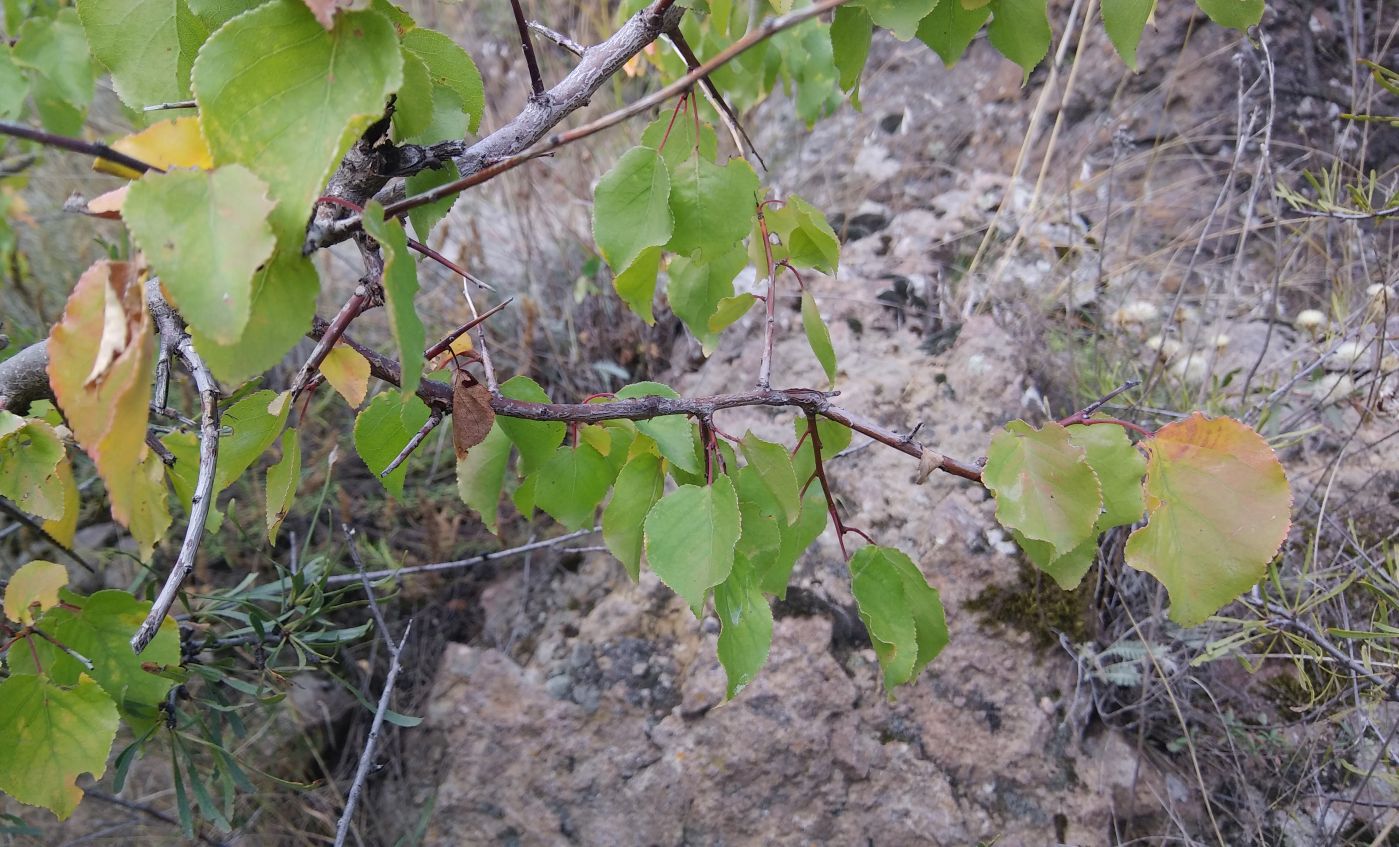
472 415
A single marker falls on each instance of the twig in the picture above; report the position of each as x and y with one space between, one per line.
485 352
72 654
341 579
176 104
75 145
726 113
366 759
1091 408
438 395
446 342
341 322
449 264
339 230
38 528
155 814
172 327
433 420
527 45
770 322
558 38
819 474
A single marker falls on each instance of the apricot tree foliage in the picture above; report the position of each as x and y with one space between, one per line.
300 125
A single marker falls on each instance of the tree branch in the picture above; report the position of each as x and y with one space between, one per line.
75 145
173 334
540 115
24 378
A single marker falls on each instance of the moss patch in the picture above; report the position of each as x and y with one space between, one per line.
1034 604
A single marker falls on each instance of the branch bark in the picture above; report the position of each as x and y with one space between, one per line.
540 115
173 336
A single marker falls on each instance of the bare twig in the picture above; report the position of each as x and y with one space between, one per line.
527 45
366 759
38 529
432 421
149 812
558 38
341 579
1092 408
770 320
72 654
172 330
175 104
75 145
326 342
447 340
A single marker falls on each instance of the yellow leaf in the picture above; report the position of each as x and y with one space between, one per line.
35 584
348 373
175 143
460 346
62 528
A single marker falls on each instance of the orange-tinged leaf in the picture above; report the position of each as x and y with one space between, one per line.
472 415
34 585
108 205
175 143
347 371
108 414
1218 509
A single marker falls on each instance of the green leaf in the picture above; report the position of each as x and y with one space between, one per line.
286 98
1124 21
572 484
450 67
1218 509
851 31
30 456
54 52
950 28
425 217
795 541
1119 467
761 518
639 486
535 440
713 206
1235 14
773 465
818 336
481 476
901 17
13 90
1020 31
690 536
631 207
412 105
66 732
698 285
400 287
1043 484
673 434
254 428
679 137
811 243
730 309
205 234
284 301
100 631
746 633
33 588
138 42
383 429
1067 570
636 284
283 479
901 611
